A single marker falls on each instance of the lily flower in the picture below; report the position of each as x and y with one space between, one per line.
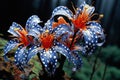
85 29
92 32
21 40
50 44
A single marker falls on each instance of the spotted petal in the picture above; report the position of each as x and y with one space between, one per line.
48 25
13 29
32 52
62 10
62 49
80 8
32 22
62 29
10 45
89 9
49 59
35 31
20 57
76 59
86 7
90 40
96 27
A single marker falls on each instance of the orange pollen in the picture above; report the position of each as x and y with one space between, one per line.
23 38
47 40
81 20
61 20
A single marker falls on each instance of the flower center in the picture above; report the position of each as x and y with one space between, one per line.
82 19
47 39
23 38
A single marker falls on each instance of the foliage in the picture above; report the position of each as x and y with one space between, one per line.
111 55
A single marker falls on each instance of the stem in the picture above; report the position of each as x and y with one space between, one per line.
95 63
62 62
105 69
63 57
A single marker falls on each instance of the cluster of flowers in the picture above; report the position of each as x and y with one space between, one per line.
64 33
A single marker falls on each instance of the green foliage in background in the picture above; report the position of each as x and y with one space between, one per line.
111 55
2 43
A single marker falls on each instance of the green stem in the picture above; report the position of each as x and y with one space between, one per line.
95 63
105 69
63 57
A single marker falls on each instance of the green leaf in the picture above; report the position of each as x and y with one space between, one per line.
32 76
37 66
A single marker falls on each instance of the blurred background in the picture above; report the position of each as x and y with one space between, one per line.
107 64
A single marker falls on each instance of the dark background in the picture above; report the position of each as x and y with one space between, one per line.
20 10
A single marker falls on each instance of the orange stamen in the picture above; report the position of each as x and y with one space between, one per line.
47 40
60 21
83 18
23 38
80 21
